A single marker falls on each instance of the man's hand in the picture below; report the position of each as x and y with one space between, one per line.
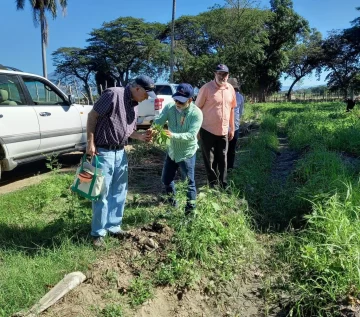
168 133
142 137
231 135
149 135
145 137
91 149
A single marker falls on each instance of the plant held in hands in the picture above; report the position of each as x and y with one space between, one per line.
159 134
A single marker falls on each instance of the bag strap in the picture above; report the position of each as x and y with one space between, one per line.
83 160
96 163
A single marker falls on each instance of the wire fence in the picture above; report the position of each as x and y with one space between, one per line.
306 97
311 97
78 93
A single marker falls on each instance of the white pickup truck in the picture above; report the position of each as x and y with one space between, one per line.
36 118
148 109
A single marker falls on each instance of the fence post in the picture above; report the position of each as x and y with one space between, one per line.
87 99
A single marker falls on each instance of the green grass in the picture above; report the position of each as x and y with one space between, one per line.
44 234
111 310
321 196
324 257
140 290
41 241
44 229
217 242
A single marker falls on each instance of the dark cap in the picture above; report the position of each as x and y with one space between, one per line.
183 92
147 83
233 82
222 68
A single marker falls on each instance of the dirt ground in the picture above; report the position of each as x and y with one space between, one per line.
241 298
35 172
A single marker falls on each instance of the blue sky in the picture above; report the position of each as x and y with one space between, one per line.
20 40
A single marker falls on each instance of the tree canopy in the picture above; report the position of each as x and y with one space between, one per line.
258 45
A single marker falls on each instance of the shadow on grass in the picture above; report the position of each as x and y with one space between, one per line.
32 240
276 111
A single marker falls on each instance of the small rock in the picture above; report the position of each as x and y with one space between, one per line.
142 240
258 274
151 243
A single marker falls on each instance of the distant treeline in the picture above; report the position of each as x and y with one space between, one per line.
258 46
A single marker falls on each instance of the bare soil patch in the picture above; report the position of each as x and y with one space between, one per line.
35 172
285 161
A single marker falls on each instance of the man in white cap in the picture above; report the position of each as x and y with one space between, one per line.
110 123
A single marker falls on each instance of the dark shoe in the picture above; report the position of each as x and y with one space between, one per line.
190 212
120 234
99 242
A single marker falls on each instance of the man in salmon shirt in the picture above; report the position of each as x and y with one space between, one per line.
217 101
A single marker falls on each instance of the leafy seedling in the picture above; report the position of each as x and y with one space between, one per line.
159 135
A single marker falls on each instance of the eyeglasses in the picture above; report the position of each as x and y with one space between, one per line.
179 102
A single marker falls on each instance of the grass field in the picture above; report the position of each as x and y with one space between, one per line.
293 206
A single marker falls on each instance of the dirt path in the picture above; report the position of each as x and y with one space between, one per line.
285 160
33 173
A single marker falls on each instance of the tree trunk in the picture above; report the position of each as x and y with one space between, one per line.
261 94
43 50
288 95
345 92
89 94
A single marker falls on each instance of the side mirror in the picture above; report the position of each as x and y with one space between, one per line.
71 99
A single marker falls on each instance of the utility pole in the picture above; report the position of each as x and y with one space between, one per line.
172 43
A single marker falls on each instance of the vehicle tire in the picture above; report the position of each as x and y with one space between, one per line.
0 168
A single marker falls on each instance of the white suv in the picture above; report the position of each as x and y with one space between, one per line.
36 118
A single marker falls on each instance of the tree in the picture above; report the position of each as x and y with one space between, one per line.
353 34
40 7
240 41
304 58
231 35
342 60
284 26
193 56
127 47
74 61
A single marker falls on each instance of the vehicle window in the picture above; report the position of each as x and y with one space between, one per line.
43 94
10 91
163 90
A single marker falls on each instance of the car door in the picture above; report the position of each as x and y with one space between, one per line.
19 126
84 111
60 123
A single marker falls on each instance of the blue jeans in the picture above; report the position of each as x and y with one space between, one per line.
187 171
232 150
109 209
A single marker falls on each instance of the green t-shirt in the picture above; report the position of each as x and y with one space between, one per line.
184 127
